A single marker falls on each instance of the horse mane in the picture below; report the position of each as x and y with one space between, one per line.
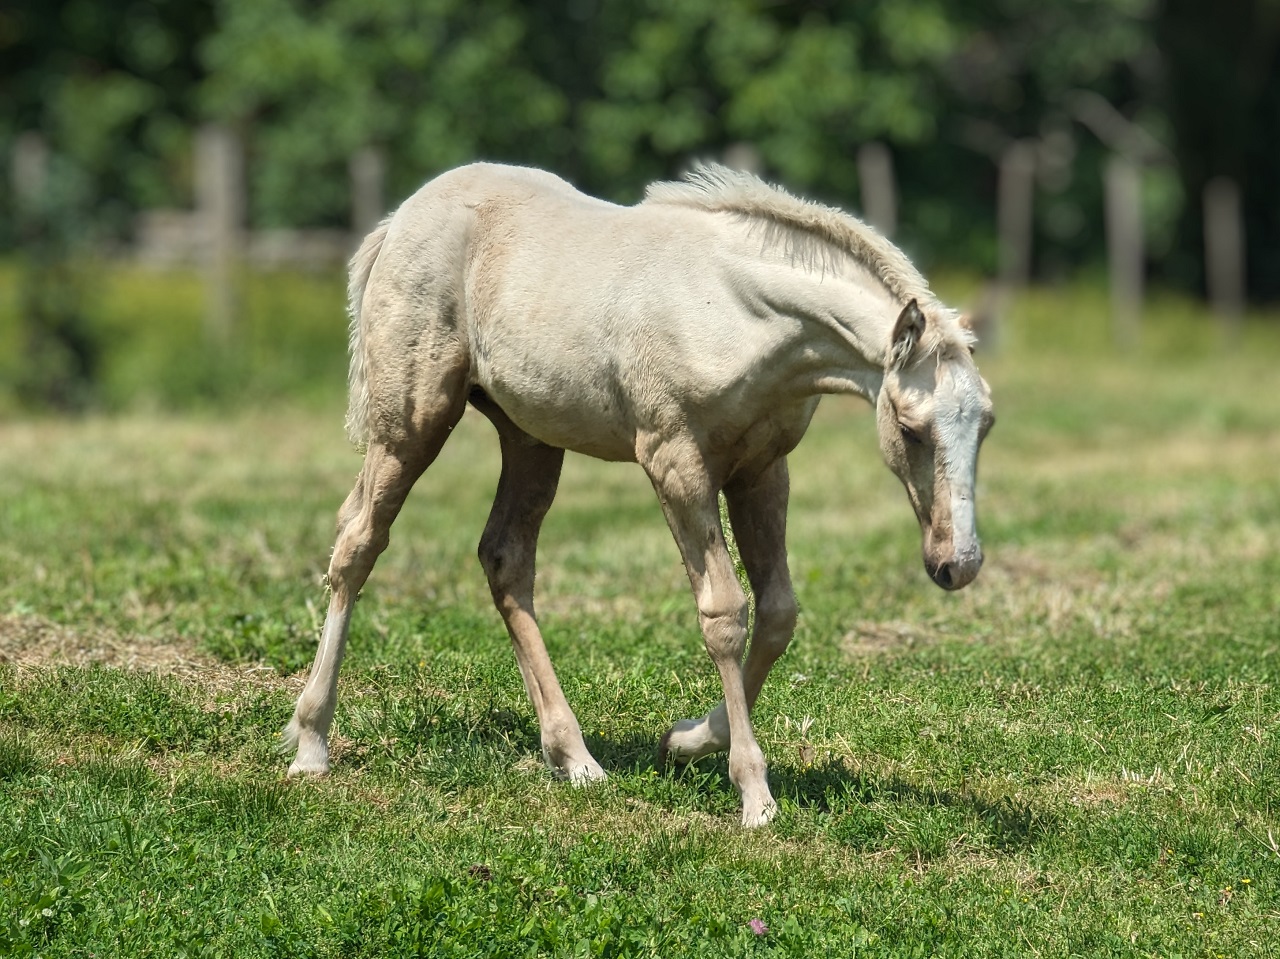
712 187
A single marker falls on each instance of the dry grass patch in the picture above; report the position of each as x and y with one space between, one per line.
871 638
32 644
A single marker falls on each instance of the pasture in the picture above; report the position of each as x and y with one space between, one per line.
1079 754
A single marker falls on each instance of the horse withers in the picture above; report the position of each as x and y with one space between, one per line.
693 334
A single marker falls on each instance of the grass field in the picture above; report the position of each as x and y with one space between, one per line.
1079 755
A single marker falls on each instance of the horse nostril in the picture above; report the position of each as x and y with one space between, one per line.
943 576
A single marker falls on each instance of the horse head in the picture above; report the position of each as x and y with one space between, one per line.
933 412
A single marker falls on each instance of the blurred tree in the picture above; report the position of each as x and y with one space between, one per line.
112 85
1222 96
614 94
61 350
1015 69
437 83
109 87
806 83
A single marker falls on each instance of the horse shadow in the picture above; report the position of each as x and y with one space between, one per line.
874 806
831 789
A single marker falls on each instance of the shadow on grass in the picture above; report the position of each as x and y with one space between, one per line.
832 788
868 811
465 747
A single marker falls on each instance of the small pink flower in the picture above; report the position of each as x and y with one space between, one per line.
758 927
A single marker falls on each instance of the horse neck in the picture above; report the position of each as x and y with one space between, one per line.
846 317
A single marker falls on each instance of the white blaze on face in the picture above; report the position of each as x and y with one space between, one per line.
961 414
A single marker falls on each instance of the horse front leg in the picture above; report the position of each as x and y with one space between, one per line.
758 512
689 501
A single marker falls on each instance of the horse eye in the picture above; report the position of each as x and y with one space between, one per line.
910 435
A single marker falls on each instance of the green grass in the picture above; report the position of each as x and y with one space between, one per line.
1078 755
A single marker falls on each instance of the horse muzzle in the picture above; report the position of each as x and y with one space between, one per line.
952 568
952 576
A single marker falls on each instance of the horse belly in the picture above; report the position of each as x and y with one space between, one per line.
574 407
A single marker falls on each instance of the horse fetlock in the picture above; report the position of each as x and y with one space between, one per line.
691 739
747 772
747 767
313 712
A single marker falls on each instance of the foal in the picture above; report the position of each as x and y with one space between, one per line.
693 334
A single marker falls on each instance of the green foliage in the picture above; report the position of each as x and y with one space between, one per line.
58 362
147 347
613 95
807 92
442 82
51 898
113 86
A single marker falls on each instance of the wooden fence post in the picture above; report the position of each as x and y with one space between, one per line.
29 174
1134 149
367 169
1126 260
220 200
879 193
1014 204
743 156
1224 252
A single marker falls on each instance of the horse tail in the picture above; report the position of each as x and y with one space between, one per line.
359 401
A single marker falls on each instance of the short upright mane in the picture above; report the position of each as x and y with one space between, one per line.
710 186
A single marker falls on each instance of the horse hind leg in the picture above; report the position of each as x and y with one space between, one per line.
526 488
391 467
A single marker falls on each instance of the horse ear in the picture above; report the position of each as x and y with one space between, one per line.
969 323
906 334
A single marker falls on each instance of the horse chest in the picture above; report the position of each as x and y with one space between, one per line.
763 441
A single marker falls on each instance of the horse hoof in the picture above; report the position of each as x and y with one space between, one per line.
665 758
586 773
312 757
312 770
758 814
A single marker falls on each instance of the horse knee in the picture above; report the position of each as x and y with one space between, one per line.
492 557
503 562
724 628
